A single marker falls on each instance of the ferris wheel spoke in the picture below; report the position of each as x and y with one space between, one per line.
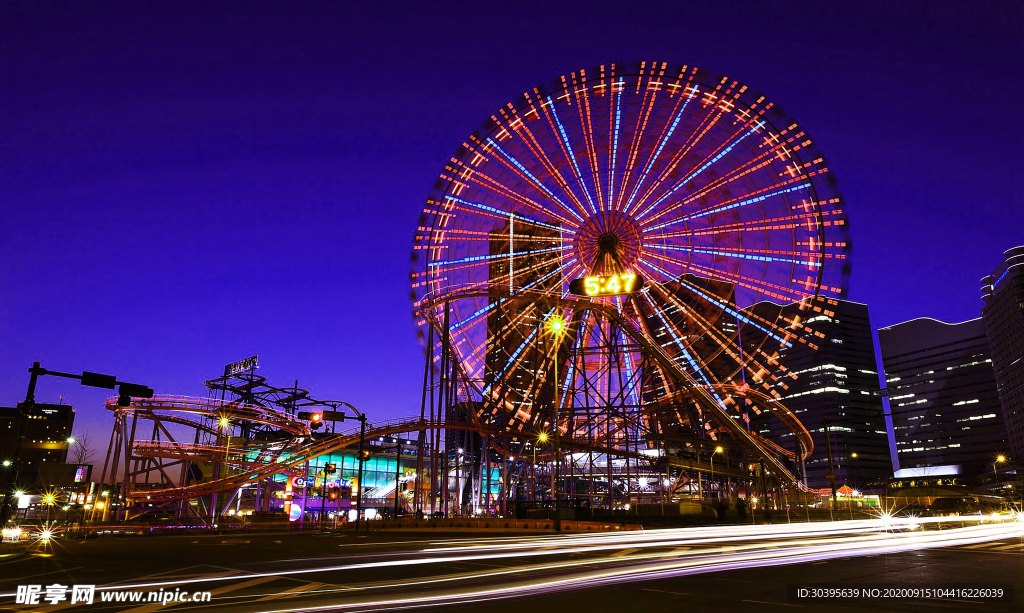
587 131
517 167
692 139
504 192
708 162
643 117
767 256
687 357
764 194
689 93
805 221
614 126
749 318
476 208
532 143
551 114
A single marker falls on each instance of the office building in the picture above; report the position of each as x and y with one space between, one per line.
942 395
838 381
1003 314
46 437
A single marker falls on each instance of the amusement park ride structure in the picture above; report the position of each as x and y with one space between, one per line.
704 193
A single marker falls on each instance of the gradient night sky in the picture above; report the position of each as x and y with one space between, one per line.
184 185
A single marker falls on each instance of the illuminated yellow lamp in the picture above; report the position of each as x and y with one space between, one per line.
1001 458
224 422
719 450
853 455
556 324
48 499
543 436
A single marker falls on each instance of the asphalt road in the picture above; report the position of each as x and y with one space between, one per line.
695 569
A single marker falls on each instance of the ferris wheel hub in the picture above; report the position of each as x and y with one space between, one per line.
608 242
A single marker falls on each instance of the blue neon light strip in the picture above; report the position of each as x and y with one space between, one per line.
719 303
491 209
664 141
536 181
694 174
731 206
686 354
731 254
1006 272
615 144
571 154
483 258
515 355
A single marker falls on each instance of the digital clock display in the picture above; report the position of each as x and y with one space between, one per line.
609 285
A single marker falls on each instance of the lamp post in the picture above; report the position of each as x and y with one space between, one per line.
542 437
711 484
999 460
556 325
224 424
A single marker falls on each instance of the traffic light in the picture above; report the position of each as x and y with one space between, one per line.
333 494
126 391
330 468
315 419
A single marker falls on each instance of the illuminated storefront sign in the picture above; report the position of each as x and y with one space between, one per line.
316 481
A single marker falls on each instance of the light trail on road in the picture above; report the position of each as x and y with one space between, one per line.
532 565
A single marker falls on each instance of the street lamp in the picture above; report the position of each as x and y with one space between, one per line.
542 437
712 484
225 424
999 460
556 326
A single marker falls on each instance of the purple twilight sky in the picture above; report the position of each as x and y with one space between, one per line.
187 184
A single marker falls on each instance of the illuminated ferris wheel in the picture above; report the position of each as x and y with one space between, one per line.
676 230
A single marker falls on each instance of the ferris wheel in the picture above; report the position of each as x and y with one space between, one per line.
628 253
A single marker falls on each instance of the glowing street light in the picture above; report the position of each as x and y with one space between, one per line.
717 450
556 326
999 460
71 440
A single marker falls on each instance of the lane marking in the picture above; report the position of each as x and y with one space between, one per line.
224 590
624 552
781 604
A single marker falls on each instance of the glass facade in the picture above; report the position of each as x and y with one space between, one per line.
942 394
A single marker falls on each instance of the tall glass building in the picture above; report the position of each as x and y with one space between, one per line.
837 381
1003 313
942 395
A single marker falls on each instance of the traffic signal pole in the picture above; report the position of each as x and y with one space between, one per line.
359 483
87 378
